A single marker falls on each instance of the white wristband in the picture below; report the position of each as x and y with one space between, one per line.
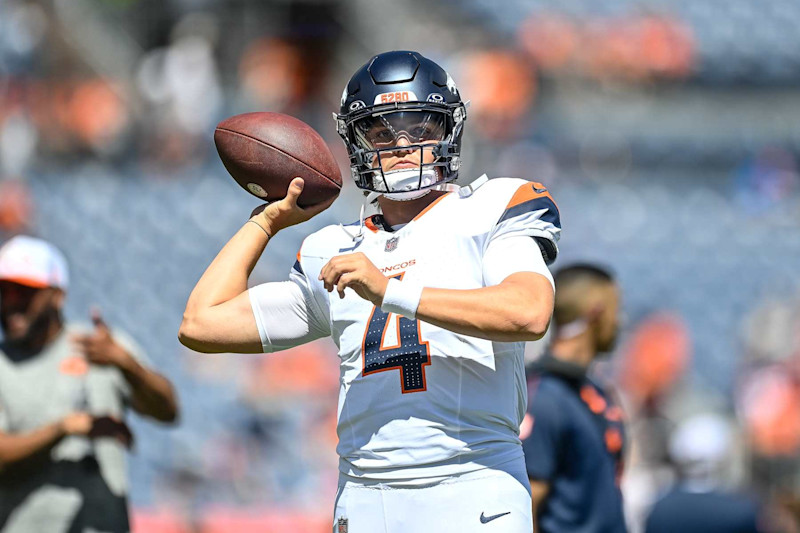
402 298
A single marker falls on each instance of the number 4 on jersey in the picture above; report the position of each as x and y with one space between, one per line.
410 354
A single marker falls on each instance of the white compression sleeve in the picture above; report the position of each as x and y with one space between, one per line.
283 316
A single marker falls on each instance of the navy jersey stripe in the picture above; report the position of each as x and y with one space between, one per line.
298 268
536 204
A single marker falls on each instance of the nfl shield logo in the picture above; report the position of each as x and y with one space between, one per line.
342 522
391 244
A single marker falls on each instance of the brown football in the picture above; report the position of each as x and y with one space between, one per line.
264 152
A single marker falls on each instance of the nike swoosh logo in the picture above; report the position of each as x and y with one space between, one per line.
538 190
487 519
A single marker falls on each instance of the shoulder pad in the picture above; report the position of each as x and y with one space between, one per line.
532 196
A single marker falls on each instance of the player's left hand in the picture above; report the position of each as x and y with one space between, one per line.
99 347
358 273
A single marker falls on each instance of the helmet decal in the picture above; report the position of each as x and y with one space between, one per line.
355 106
451 84
398 96
435 97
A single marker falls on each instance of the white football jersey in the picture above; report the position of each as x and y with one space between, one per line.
418 401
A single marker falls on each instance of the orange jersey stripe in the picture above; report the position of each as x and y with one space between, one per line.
430 206
528 192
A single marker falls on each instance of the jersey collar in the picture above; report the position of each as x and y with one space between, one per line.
377 223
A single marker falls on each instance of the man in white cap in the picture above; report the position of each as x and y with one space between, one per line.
63 396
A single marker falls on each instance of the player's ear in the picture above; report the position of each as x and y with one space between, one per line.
594 316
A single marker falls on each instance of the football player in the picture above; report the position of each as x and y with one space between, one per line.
430 303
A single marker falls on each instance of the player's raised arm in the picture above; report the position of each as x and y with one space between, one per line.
218 315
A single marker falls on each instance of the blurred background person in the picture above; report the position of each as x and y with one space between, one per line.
64 392
573 436
700 448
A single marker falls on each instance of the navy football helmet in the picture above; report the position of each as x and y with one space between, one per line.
398 96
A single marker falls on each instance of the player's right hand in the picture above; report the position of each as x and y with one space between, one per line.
285 212
77 423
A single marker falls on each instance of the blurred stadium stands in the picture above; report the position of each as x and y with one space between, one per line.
731 41
668 131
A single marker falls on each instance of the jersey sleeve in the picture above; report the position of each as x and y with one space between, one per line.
517 253
542 446
531 212
287 313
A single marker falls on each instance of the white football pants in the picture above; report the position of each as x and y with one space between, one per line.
495 500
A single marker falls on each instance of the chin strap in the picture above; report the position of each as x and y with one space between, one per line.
358 237
467 190
407 196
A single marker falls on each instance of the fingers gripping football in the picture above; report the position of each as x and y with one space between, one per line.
358 273
285 212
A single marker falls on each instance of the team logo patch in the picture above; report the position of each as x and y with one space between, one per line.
398 96
436 98
341 525
391 244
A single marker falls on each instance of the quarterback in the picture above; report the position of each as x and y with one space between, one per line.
430 303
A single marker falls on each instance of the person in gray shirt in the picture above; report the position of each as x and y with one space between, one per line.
64 391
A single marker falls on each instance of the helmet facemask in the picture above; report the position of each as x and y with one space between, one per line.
422 139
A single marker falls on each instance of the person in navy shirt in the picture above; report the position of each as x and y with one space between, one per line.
702 448
573 435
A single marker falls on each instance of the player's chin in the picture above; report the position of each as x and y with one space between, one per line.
16 334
